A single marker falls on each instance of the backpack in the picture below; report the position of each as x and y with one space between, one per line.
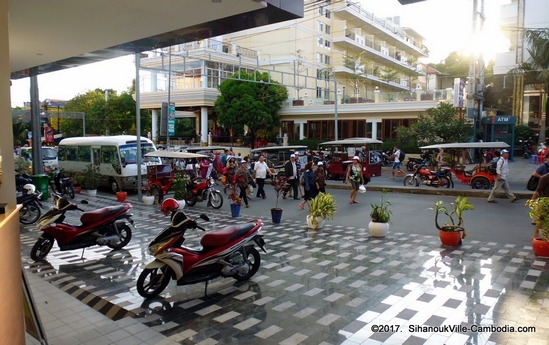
401 156
492 166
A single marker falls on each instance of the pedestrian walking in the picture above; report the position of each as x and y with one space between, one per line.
309 186
320 175
260 174
440 157
354 176
502 171
397 153
242 177
292 174
542 169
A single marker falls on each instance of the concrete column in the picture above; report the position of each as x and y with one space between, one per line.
155 125
154 81
12 322
377 93
204 124
204 77
301 131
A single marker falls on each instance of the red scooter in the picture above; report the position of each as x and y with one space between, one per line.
227 252
202 189
107 226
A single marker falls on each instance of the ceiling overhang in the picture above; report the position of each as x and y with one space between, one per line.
55 35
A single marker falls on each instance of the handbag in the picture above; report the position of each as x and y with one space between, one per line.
532 183
362 189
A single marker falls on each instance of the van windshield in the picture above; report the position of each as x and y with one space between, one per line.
128 153
48 153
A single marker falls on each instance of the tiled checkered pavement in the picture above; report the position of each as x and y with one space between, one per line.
333 286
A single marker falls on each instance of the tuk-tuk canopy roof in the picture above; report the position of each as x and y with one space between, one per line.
352 142
174 154
205 148
280 148
474 145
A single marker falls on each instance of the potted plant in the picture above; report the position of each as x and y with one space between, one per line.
452 232
91 179
180 186
381 216
121 195
321 208
539 211
280 185
236 202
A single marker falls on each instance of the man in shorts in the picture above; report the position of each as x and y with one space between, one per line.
396 163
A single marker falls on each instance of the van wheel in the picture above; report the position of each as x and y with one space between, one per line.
114 186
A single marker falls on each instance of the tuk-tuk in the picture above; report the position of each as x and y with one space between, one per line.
341 152
480 177
276 156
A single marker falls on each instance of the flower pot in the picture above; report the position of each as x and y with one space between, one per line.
235 210
78 189
540 247
148 200
378 229
91 192
276 215
450 238
121 196
315 223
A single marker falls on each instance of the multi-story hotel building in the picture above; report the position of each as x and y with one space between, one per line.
340 63
516 17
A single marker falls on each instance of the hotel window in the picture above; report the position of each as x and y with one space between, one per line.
320 26
320 42
318 57
328 29
327 44
318 92
327 13
327 60
321 10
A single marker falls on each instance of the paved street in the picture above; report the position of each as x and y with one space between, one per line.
333 286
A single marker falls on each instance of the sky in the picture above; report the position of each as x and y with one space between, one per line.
446 26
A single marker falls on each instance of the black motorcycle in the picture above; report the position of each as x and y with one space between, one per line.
61 185
414 163
21 180
30 199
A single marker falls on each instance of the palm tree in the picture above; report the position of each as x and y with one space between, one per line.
538 66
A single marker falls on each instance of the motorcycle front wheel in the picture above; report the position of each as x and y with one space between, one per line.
41 248
216 199
254 260
191 200
152 281
125 237
410 181
29 214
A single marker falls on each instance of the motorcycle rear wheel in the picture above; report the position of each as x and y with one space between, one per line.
410 181
411 166
29 214
254 263
152 281
216 199
125 234
191 200
41 248
69 190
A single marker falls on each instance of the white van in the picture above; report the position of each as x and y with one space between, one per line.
49 157
115 156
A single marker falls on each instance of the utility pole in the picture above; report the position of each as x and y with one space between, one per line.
475 77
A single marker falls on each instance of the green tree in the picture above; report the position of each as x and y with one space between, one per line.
439 125
20 130
355 64
250 99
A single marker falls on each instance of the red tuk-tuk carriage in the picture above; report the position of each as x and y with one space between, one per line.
480 177
341 152
161 176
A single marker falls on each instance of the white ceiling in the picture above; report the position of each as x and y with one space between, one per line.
59 34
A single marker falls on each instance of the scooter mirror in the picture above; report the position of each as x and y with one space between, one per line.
206 218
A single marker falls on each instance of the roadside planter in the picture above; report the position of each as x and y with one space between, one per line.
452 232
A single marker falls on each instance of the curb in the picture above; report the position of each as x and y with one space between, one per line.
435 191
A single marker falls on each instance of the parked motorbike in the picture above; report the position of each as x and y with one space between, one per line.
61 185
414 163
386 158
423 175
107 226
202 189
227 252
21 180
30 199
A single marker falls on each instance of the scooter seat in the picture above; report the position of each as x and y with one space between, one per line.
225 235
98 215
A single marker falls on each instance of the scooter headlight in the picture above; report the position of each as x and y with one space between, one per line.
154 248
